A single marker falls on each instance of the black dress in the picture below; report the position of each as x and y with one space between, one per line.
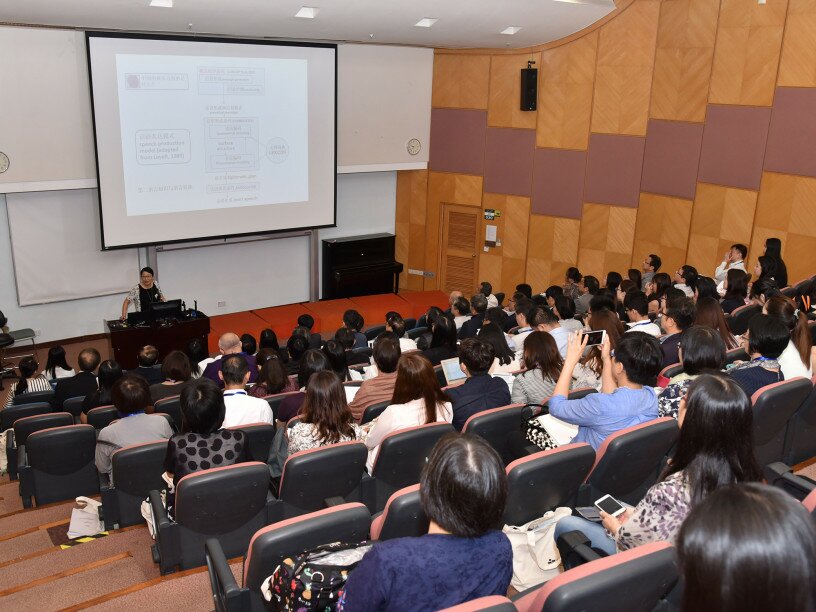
148 296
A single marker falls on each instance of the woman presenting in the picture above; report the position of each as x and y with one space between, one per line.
143 294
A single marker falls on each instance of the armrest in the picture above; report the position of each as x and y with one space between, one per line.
167 535
575 549
25 476
10 439
11 455
227 595
781 476
110 502
160 516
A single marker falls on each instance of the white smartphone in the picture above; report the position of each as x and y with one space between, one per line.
594 338
610 505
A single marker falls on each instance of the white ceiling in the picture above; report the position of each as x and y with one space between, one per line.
462 23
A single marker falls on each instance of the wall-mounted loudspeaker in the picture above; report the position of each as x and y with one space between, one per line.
529 87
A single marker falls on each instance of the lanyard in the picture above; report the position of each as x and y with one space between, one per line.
231 393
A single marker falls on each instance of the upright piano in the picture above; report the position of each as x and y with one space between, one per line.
360 265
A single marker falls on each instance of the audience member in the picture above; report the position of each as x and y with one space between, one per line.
497 316
325 417
545 321
505 361
637 310
268 339
706 287
462 491
525 314
345 337
701 351
710 314
797 357
313 361
241 409
525 289
486 289
735 287
552 292
396 324
337 360
650 267
131 397
656 289
626 287
29 381
627 397
480 391
81 384
230 344
588 287
355 322
176 372
147 361
613 281
715 449
196 352
109 372
685 279
478 307
773 249
603 299
765 269
386 355
296 346
452 297
587 372
678 318
443 340
636 277
56 365
734 259
766 340
460 310
307 322
417 400
564 309
248 344
272 378
542 363
571 280
762 290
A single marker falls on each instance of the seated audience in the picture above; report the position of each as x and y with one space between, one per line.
460 310
748 547
146 361
766 340
525 314
29 381
325 417
499 317
656 289
462 491
735 286
710 314
307 322
81 384
268 339
588 287
636 277
56 365
313 361
229 344
443 340
651 264
603 299
627 397
701 350
715 449
685 279
176 372
773 249
381 387
613 281
762 290
131 397
734 259
355 322
505 361
198 357
345 338
396 324
454 295
678 318
241 409
486 289
417 400
706 287
545 321
109 372
480 391
637 310
552 292
626 287
337 360
572 279
525 290
564 309
296 348
542 363
797 357
272 378
478 307
248 344
587 372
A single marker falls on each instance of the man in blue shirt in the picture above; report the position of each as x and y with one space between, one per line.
627 397
480 390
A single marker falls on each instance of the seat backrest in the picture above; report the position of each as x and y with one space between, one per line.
672 370
33 397
440 376
737 354
491 603
410 323
738 321
372 332
102 416
171 406
61 451
800 438
403 516
272 544
274 401
311 476
28 425
415 333
403 453
259 438
137 469
73 405
641 577
629 461
500 428
546 480
221 500
374 410
774 405
11 414
810 502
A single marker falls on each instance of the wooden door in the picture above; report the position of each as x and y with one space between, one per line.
460 248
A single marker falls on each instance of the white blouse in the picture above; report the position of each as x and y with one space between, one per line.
790 362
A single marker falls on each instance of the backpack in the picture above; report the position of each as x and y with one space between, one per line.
313 580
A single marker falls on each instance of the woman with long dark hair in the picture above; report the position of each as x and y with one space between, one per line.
56 366
736 290
417 400
196 352
443 340
710 314
109 372
29 382
543 365
656 289
685 279
797 357
773 249
706 287
272 378
715 448
588 371
505 361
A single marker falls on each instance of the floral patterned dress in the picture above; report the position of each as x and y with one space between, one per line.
659 515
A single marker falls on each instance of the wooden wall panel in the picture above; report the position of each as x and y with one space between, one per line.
504 105
412 196
566 79
552 247
663 225
460 81
797 67
507 261
623 80
721 216
749 38
685 50
607 238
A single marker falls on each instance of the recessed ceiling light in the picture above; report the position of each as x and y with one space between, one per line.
510 30
307 12
426 22
162 3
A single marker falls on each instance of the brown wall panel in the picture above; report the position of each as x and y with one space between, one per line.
607 237
504 105
663 225
797 67
412 195
552 248
460 81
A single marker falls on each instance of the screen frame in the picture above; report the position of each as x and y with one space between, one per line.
202 39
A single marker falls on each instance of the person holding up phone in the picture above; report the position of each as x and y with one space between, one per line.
715 448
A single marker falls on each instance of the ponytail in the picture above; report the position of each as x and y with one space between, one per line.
796 321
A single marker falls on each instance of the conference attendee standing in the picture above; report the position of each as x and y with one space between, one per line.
143 294
773 249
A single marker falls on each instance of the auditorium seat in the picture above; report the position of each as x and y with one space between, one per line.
33 397
738 321
372 332
402 455
781 476
271 545
440 376
259 438
415 333
501 428
737 354
637 580
403 516
171 406
274 401
319 477
492 603
810 503
629 462
136 470
672 370
774 406
58 464
228 503
102 416
23 427
410 323
374 410
800 437
74 406
546 480
10 415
